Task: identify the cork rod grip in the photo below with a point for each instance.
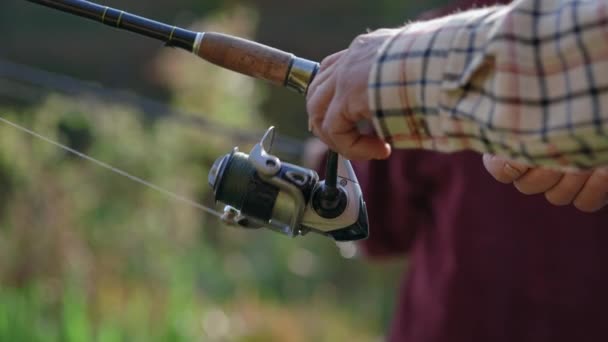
(246, 57)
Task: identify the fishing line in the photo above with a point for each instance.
(52, 82)
(107, 166)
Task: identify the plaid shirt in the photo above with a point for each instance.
(528, 81)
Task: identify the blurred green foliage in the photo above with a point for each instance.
(88, 255)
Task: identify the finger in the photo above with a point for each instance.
(320, 79)
(318, 97)
(537, 180)
(326, 68)
(318, 105)
(356, 146)
(503, 170)
(317, 131)
(314, 150)
(593, 196)
(564, 192)
(347, 140)
(330, 60)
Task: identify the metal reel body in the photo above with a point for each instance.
(261, 191)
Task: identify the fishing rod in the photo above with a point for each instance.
(229, 52)
(258, 189)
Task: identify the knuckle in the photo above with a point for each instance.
(330, 60)
(326, 126)
(362, 39)
(332, 129)
(601, 175)
(525, 188)
(538, 181)
(326, 60)
(501, 177)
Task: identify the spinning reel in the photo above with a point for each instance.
(260, 190)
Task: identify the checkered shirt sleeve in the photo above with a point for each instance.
(528, 81)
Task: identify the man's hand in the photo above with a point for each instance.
(587, 190)
(337, 99)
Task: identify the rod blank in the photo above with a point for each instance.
(170, 35)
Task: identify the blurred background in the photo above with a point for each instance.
(87, 255)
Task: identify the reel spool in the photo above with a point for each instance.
(261, 191)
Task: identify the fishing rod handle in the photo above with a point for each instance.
(256, 60)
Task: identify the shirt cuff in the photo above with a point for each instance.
(413, 72)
